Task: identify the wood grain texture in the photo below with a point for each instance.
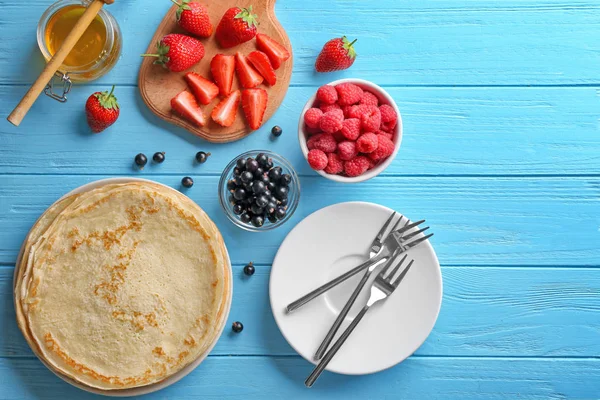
(547, 312)
(477, 221)
(401, 42)
(475, 131)
(158, 86)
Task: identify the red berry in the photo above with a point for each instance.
(326, 143)
(275, 51)
(317, 159)
(238, 25)
(178, 52)
(369, 99)
(357, 166)
(334, 164)
(337, 54)
(387, 135)
(310, 143)
(311, 131)
(385, 148)
(389, 118)
(351, 128)
(371, 120)
(357, 111)
(327, 94)
(102, 110)
(193, 17)
(331, 122)
(338, 136)
(312, 117)
(367, 143)
(329, 107)
(347, 150)
(348, 93)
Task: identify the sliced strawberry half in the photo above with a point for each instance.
(185, 104)
(204, 90)
(222, 68)
(261, 62)
(224, 113)
(275, 51)
(247, 75)
(254, 104)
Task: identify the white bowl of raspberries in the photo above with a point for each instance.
(350, 130)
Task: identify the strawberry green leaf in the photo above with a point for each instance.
(247, 16)
(108, 100)
(349, 46)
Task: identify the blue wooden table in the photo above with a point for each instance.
(501, 153)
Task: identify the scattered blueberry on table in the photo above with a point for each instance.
(276, 131)
(159, 157)
(237, 327)
(201, 157)
(249, 269)
(141, 160)
(187, 182)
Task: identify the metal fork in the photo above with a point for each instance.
(383, 286)
(393, 241)
(375, 248)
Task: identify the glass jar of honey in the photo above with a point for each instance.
(95, 53)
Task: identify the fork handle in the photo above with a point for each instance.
(336, 346)
(322, 289)
(340, 318)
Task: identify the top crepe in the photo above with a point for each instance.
(122, 286)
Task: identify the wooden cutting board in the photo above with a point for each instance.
(158, 86)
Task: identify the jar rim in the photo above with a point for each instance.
(106, 20)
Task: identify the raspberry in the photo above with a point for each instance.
(346, 110)
(312, 116)
(347, 150)
(357, 166)
(326, 143)
(369, 99)
(334, 164)
(348, 93)
(351, 128)
(317, 159)
(338, 136)
(385, 148)
(389, 118)
(331, 122)
(310, 143)
(340, 114)
(372, 164)
(387, 135)
(312, 131)
(357, 111)
(371, 120)
(327, 94)
(367, 143)
(329, 107)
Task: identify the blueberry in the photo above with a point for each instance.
(268, 193)
(283, 202)
(258, 173)
(241, 163)
(271, 186)
(237, 171)
(285, 180)
(258, 221)
(265, 179)
(276, 131)
(268, 164)
(251, 165)
(248, 186)
(237, 327)
(231, 184)
(281, 192)
(201, 157)
(262, 201)
(280, 213)
(159, 157)
(258, 187)
(245, 217)
(237, 209)
(187, 182)
(271, 208)
(141, 160)
(275, 174)
(251, 199)
(247, 176)
(272, 219)
(256, 209)
(239, 194)
(249, 269)
(262, 159)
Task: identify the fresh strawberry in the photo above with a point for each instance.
(275, 51)
(224, 113)
(193, 17)
(102, 110)
(237, 26)
(178, 52)
(247, 75)
(261, 62)
(254, 104)
(185, 104)
(337, 54)
(204, 90)
(222, 68)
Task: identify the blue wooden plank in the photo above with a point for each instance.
(477, 221)
(475, 131)
(277, 378)
(446, 42)
(507, 312)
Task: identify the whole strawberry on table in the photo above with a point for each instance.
(102, 110)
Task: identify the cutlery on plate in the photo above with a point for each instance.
(381, 288)
(376, 246)
(394, 243)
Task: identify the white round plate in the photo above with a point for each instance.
(178, 375)
(323, 246)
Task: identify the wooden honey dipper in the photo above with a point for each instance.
(17, 115)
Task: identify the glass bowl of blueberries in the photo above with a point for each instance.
(259, 190)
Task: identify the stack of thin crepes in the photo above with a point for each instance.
(122, 286)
